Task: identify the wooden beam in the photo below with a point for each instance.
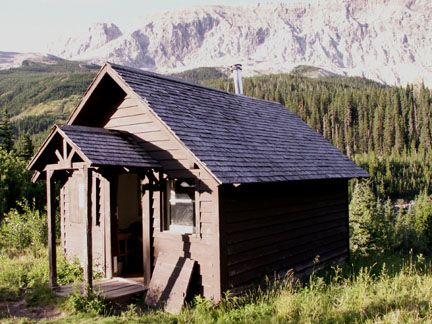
(146, 227)
(197, 214)
(51, 210)
(107, 227)
(68, 161)
(35, 176)
(222, 256)
(59, 156)
(63, 166)
(65, 154)
(88, 255)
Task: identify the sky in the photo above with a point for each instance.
(29, 25)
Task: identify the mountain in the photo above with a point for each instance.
(384, 40)
(13, 59)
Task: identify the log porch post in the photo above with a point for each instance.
(87, 215)
(51, 218)
(107, 219)
(146, 228)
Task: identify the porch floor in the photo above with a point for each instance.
(112, 289)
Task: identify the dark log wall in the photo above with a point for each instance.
(274, 227)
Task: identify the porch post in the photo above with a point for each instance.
(146, 228)
(51, 216)
(87, 215)
(107, 219)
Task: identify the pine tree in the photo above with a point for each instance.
(6, 134)
(24, 147)
(349, 120)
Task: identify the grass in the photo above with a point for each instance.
(374, 289)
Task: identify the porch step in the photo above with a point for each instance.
(116, 288)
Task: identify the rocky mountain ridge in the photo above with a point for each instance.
(385, 40)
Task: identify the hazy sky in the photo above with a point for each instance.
(28, 25)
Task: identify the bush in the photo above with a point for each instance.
(27, 273)
(23, 230)
(414, 227)
(68, 272)
(92, 304)
(371, 221)
(422, 212)
(15, 183)
(20, 273)
(377, 227)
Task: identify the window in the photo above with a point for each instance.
(180, 216)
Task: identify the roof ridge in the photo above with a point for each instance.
(92, 128)
(169, 78)
(174, 79)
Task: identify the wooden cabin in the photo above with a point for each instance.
(148, 165)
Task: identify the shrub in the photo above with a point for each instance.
(20, 273)
(22, 230)
(371, 221)
(15, 183)
(68, 272)
(377, 227)
(93, 304)
(40, 295)
(406, 235)
(422, 212)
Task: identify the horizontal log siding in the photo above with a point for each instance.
(203, 247)
(275, 227)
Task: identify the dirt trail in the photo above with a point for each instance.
(19, 309)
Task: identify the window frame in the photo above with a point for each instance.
(166, 216)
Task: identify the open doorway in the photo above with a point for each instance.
(127, 228)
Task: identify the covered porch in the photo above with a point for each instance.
(103, 182)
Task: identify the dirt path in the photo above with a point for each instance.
(19, 309)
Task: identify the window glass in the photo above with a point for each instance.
(181, 206)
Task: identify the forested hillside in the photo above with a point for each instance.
(38, 95)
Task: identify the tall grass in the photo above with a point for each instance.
(378, 289)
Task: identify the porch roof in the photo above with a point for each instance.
(96, 146)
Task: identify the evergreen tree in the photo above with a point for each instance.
(24, 147)
(6, 134)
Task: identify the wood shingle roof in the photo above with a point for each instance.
(95, 146)
(106, 147)
(240, 139)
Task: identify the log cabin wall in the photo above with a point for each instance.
(203, 246)
(276, 227)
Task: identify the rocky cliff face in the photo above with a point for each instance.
(386, 40)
